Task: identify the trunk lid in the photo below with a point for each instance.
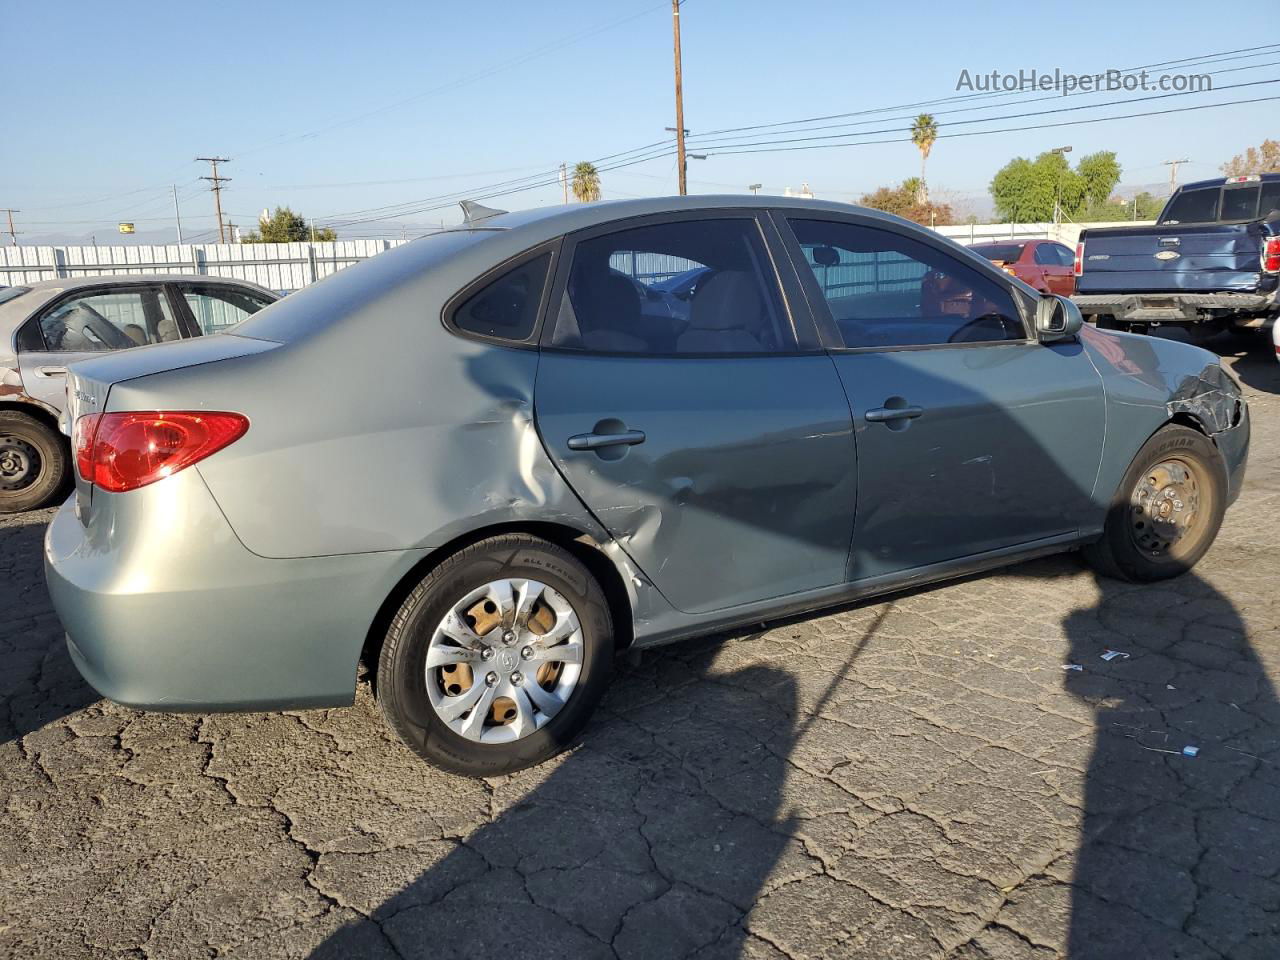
(1175, 258)
(89, 382)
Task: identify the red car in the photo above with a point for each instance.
(1045, 264)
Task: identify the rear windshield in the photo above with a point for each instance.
(1223, 204)
(1006, 252)
(1193, 206)
(9, 293)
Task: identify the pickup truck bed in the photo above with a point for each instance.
(1214, 273)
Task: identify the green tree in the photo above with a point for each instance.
(903, 200)
(1263, 159)
(923, 133)
(1100, 172)
(285, 226)
(586, 182)
(1027, 190)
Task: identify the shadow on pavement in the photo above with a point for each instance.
(38, 682)
(654, 839)
(1179, 854)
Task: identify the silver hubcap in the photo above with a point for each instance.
(19, 463)
(504, 660)
(1164, 506)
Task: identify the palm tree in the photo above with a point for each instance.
(923, 132)
(586, 182)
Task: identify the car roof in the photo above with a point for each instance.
(74, 283)
(1220, 181)
(563, 218)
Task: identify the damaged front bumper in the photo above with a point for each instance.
(1215, 399)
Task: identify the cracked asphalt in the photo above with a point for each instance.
(915, 778)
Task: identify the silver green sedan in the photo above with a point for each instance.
(490, 460)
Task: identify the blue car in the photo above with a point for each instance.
(479, 463)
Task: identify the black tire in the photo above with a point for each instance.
(402, 675)
(1120, 554)
(35, 464)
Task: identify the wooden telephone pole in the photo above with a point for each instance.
(680, 159)
(13, 234)
(1173, 173)
(217, 182)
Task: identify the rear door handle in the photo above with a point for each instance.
(885, 414)
(595, 441)
(52, 371)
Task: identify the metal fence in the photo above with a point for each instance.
(291, 266)
(277, 266)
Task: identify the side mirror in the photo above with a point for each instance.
(1057, 318)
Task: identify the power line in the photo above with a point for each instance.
(701, 140)
(1243, 51)
(1007, 116)
(1036, 126)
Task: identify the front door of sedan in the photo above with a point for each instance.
(715, 448)
(86, 323)
(972, 437)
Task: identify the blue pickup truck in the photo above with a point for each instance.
(1211, 262)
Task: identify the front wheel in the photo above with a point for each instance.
(1167, 511)
(34, 463)
(498, 657)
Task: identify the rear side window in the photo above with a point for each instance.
(506, 308)
(1240, 203)
(687, 287)
(1053, 255)
(1193, 206)
(887, 290)
(109, 320)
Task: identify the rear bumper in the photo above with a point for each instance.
(165, 609)
(1170, 307)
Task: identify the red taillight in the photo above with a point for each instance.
(1078, 267)
(1271, 255)
(124, 451)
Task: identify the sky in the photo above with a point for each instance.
(375, 117)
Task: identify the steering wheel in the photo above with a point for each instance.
(959, 335)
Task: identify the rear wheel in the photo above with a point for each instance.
(34, 463)
(496, 660)
(1167, 511)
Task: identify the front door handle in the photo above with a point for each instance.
(52, 371)
(596, 441)
(885, 414)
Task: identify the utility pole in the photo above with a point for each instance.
(1173, 173)
(217, 182)
(754, 188)
(564, 181)
(680, 162)
(177, 214)
(13, 235)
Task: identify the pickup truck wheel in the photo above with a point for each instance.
(498, 657)
(1167, 511)
(34, 463)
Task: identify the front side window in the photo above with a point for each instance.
(506, 308)
(218, 308)
(684, 287)
(888, 290)
(109, 320)
(1193, 206)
